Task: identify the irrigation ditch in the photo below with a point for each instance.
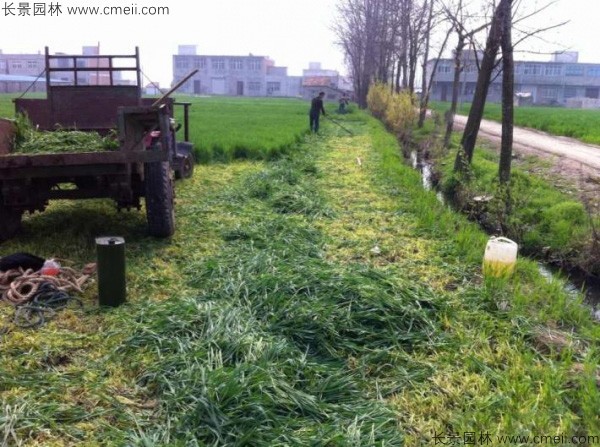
(575, 279)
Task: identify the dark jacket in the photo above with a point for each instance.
(316, 106)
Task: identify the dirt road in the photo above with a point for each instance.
(528, 140)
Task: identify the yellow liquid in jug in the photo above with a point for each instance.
(498, 269)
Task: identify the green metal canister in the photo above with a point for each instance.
(111, 270)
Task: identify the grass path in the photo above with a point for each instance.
(321, 299)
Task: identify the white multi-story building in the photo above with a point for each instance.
(560, 81)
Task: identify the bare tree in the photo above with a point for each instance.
(508, 87)
(426, 84)
(465, 152)
(382, 41)
(458, 19)
(500, 25)
(366, 32)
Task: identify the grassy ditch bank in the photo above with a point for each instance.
(321, 299)
(547, 217)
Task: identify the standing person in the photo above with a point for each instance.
(316, 108)
(343, 103)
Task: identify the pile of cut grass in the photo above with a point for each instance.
(64, 141)
(281, 346)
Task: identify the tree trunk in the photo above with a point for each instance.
(465, 153)
(424, 93)
(427, 91)
(508, 87)
(455, 90)
(398, 72)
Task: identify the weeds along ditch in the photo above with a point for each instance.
(268, 320)
(548, 224)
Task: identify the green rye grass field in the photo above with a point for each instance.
(323, 298)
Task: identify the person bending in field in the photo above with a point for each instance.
(316, 108)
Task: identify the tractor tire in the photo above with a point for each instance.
(160, 211)
(10, 222)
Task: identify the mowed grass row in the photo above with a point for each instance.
(313, 300)
(575, 123)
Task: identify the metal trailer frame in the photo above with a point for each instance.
(137, 169)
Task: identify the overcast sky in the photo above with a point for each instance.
(292, 32)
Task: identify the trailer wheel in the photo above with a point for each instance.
(10, 222)
(187, 166)
(160, 212)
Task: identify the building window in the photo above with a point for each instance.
(254, 86)
(273, 87)
(2, 65)
(570, 92)
(574, 70)
(17, 65)
(254, 64)
(470, 88)
(592, 92)
(552, 70)
(181, 62)
(532, 69)
(593, 71)
(218, 64)
(548, 92)
(236, 64)
(443, 68)
(32, 64)
(200, 63)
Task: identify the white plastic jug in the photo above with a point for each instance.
(500, 257)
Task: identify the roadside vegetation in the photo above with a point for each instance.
(575, 123)
(323, 298)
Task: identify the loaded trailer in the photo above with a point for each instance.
(96, 100)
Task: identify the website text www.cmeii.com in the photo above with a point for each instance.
(54, 9)
(484, 438)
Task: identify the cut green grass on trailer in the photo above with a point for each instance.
(312, 300)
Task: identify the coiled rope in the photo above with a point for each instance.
(38, 297)
(19, 286)
(46, 301)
